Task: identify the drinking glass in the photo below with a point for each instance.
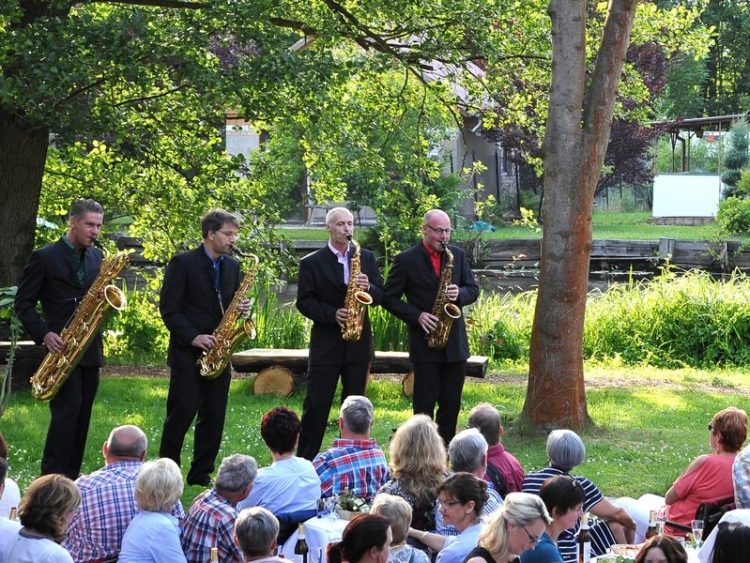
(697, 527)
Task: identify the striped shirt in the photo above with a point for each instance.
(355, 465)
(601, 535)
(210, 523)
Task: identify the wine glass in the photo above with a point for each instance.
(697, 527)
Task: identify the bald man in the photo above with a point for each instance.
(416, 273)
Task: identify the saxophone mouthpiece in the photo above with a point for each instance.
(97, 243)
(349, 238)
(443, 244)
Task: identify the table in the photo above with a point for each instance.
(319, 532)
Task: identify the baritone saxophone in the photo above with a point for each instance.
(228, 333)
(356, 301)
(444, 310)
(99, 301)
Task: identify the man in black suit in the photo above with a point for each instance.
(321, 295)
(58, 276)
(438, 374)
(198, 287)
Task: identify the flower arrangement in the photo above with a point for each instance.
(348, 505)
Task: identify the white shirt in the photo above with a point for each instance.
(285, 486)
(152, 537)
(8, 532)
(11, 497)
(25, 548)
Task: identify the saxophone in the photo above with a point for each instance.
(213, 361)
(356, 300)
(88, 317)
(444, 310)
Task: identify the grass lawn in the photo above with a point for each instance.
(648, 423)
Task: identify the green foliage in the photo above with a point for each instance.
(8, 319)
(278, 326)
(499, 326)
(733, 216)
(736, 156)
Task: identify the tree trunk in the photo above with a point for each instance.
(574, 147)
(23, 151)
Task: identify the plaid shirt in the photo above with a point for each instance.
(357, 465)
(107, 507)
(210, 523)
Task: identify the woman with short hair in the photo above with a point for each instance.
(662, 549)
(398, 513)
(153, 534)
(255, 532)
(512, 530)
(366, 539)
(45, 513)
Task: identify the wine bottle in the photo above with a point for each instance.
(300, 548)
(584, 540)
(652, 526)
(13, 513)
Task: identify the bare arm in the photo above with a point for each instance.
(433, 541)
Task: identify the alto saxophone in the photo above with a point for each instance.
(213, 361)
(444, 310)
(356, 300)
(100, 299)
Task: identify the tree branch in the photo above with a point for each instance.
(147, 98)
(173, 4)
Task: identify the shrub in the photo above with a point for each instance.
(734, 216)
(137, 335)
(499, 326)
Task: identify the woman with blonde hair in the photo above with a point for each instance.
(398, 513)
(516, 527)
(418, 468)
(45, 513)
(153, 535)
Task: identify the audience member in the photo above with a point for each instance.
(108, 498)
(290, 484)
(732, 541)
(354, 462)
(366, 539)
(398, 513)
(210, 520)
(45, 512)
(255, 531)
(8, 528)
(741, 515)
(662, 549)
(741, 478)
(418, 468)
(12, 495)
(563, 497)
(154, 534)
(512, 530)
(502, 467)
(565, 451)
(460, 498)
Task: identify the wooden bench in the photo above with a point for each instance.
(277, 369)
(27, 359)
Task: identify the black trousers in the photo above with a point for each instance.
(441, 384)
(70, 412)
(321, 387)
(192, 395)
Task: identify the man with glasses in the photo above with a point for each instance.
(438, 373)
(198, 287)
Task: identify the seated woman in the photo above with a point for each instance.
(418, 467)
(366, 539)
(461, 499)
(154, 533)
(563, 496)
(662, 549)
(255, 532)
(732, 541)
(708, 476)
(45, 512)
(398, 513)
(512, 530)
(565, 451)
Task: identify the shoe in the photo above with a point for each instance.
(202, 481)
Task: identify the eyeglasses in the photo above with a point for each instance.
(439, 231)
(710, 426)
(532, 539)
(229, 234)
(448, 503)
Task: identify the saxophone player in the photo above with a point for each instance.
(198, 286)
(418, 273)
(324, 277)
(58, 276)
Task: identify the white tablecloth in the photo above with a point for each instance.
(319, 532)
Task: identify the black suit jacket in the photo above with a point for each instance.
(412, 274)
(50, 278)
(320, 292)
(188, 302)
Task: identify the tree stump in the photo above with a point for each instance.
(274, 380)
(407, 384)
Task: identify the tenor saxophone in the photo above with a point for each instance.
(356, 301)
(100, 299)
(444, 310)
(213, 361)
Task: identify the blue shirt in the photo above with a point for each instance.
(152, 537)
(288, 485)
(456, 548)
(544, 552)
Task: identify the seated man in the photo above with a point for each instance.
(255, 531)
(8, 528)
(468, 452)
(502, 467)
(741, 478)
(107, 499)
(289, 484)
(210, 519)
(354, 462)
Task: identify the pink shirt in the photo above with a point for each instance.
(712, 480)
(508, 465)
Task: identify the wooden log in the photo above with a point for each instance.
(407, 384)
(274, 380)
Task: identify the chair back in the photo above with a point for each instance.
(711, 512)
